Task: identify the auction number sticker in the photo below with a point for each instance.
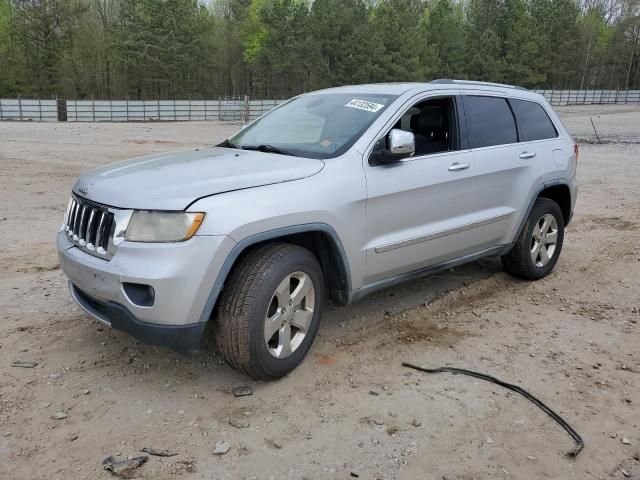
(364, 105)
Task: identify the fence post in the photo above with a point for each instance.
(20, 106)
(219, 109)
(110, 110)
(189, 108)
(127, 108)
(246, 109)
(144, 111)
(158, 101)
(1, 113)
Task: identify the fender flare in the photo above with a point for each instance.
(532, 201)
(247, 242)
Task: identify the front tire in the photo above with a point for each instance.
(269, 310)
(538, 246)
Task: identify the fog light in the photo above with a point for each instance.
(139, 294)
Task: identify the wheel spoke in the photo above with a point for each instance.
(284, 341)
(552, 237)
(535, 250)
(544, 255)
(302, 319)
(537, 233)
(272, 325)
(283, 292)
(301, 291)
(545, 225)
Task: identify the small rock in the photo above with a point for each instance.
(416, 423)
(124, 467)
(158, 453)
(268, 419)
(23, 364)
(221, 447)
(625, 441)
(532, 458)
(378, 421)
(86, 392)
(242, 391)
(59, 416)
(274, 443)
(613, 435)
(624, 472)
(238, 423)
(488, 440)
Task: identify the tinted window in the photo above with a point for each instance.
(533, 121)
(490, 121)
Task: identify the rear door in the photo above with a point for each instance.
(502, 166)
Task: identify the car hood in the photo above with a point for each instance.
(172, 181)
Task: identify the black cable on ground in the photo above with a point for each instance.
(576, 437)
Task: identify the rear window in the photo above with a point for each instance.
(533, 121)
(490, 121)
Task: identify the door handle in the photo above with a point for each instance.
(527, 155)
(456, 167)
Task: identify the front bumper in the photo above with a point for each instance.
(181, 275)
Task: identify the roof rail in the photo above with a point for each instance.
(472, 82)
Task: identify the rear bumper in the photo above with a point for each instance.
(182, 338)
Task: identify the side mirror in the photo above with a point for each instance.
(399, 144)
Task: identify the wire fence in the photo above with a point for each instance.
(235, 109)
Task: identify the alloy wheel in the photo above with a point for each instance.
(289, 314)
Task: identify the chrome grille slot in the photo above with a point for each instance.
(90, 226)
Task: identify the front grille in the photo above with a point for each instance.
(89, 226)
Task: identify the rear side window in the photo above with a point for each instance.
(490, 121)
(533, 121)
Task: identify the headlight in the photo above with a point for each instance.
(163, 226)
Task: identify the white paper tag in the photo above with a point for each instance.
(364, 105)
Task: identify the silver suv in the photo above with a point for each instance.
(334, 194)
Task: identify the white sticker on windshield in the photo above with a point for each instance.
(364, 105)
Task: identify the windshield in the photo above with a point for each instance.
(317, 126)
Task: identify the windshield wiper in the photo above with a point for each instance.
(228, 144)
(266, 148)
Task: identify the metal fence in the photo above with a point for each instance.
(234, 109)
(239, 109)
(590, 97)
(23, 109)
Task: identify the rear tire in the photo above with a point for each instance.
(269, 310)
(539, 244)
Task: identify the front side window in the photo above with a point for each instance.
(490, 121)
(432, 123)
(533, 121)
(317, 126)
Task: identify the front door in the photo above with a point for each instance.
(420, 210)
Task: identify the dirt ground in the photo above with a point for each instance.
(351, 410)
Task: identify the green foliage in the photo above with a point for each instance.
(278, 48)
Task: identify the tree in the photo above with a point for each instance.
(405, 54)
(444, 25)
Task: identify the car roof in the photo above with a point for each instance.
(398, 88)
